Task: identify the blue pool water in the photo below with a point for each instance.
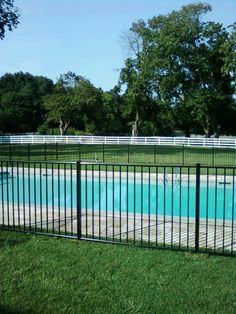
(216, 201)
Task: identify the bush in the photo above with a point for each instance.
(43, 129)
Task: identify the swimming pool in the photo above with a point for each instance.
(116, 195)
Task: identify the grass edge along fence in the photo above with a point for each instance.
(159, 206)
(120, 153)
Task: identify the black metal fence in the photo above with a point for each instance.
(129, 153)
(173, 207)
(38, 197)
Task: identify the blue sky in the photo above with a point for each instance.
(84, 36)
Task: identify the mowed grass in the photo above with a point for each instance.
(149, 154)
(49, 275)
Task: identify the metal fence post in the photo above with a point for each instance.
(78, 194)
(197, 213)
(45, 152)
(128, 153)
(56, 150)
(213, 155)
(10, 151)
(29, 151)
(154, 153)
(79, 151)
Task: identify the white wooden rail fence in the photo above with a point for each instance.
(154, 140)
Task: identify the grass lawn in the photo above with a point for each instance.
(151, 154)
(49, 275)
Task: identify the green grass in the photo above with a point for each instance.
(151, 154)
(48, 275)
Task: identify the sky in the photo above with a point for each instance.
(84, 36)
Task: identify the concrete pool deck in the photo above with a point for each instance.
(161, 231)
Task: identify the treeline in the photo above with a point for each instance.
(180, 76)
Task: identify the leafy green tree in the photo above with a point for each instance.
(180, 64)
(89, 100)
(143, 107)
(60, 107)
(229, 52)
(212, 91)
(69, 80)
(9, 16)
(114, 122)
(21, 98)
(137, 97)
(75, 103)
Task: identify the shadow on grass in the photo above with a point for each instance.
(12, 239)
(9, 310)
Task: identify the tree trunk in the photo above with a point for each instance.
(206, 127)
(216, 130)
(63, 125)
(135, 125)
(187, 132)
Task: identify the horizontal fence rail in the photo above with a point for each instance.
(163, 206)
(140, 140)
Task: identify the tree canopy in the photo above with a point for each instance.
(180, 76)
(9, 16)
(75, 102)
(180, 62)
(21, 98)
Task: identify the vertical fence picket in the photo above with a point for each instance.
(56, 151)
(3, 199)
(45, 152)
(28, 152)
(78, 198)
(197, 213)
(213, 155)
(10, 151)
(128, 152)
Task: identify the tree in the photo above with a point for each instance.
(149, 114)
(69, 80)
(114, 122)
(59, 107)
(135, 96)
(89, 100)
(9, 16)
(179, 64)
(229, 52)
(212, 91)
(75, 102)
(21, 97)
